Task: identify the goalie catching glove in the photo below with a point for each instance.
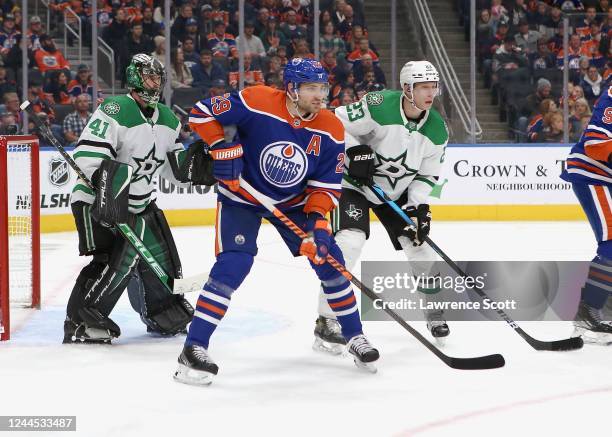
(361, 166)
(421, 216)
(193, 165)
(112, 182)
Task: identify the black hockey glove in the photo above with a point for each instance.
(421, 216)
(193, 165)
(361, 166)
(112, 182)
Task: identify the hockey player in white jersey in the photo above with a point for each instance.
(129, 141)
(397, 140)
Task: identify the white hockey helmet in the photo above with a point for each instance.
(418, 71)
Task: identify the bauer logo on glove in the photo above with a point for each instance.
(361, 166)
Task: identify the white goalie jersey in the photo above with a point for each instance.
(408, 155)
(118, 130)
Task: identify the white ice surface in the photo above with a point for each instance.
(272, 383)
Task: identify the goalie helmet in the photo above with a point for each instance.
(416, 72)
(146, 76)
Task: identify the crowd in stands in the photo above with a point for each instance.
(521, 58)
(204, 51)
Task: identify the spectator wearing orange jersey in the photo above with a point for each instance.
(363, 48)
(48, 57)
(133, 12)
(218, 14)
(593, 45)
(251, 76)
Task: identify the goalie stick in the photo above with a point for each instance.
(556, 345)
(123, 228)
(475, 363)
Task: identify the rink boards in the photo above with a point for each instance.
(479, 182)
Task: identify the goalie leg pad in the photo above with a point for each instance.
(162, 313)
(172, 319)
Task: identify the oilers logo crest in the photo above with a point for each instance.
(283, 164)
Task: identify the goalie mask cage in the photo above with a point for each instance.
(19, 226)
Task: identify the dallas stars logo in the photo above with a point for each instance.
(393, 169)
(147, 166)
(354, 212)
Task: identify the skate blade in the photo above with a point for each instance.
(188, 376)
(590, 337)
(327, 347)
(368, 367)
(74, 340)
(95, 336)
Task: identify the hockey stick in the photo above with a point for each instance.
(557, 345)
(124, 229)
(485, 362)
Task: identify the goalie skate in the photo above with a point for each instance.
(328, 336)
(195, 366)
(364, 354)
(81, 333)
(589, 325)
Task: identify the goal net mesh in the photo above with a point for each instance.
(19, 180)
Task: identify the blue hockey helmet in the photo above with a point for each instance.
(300, 70)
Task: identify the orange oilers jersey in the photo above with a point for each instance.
(286, 158)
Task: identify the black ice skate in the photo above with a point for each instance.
(589, 325)
(195, 366)
(81, 333)
(436, 324)
(364, 354)
(328, 336)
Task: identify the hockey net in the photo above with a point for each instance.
(19, 226)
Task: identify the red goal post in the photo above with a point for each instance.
(19, 226)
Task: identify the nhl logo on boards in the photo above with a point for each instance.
(59, 172)
(283, 164)
(111, 108)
